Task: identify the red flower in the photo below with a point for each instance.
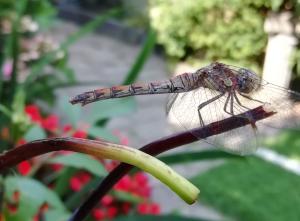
(67, 128)
(126, 207)
(21, 142)
(56, 166)
(12, 208)
(124, 184)
(143, 208)
(155, 209)
(140, 178)
(79, 180)
(148, 208)
(24, 168)
(98, 214)
(112, 212)
(34, 113)
(107, 200)
(80, 134)
(84, 177)
(75, 184)
(51, 123)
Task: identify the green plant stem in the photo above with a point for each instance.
(2, 57)
(186, 190)
(15, 57)
(15, 44)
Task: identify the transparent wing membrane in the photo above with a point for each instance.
(184, 107)
(185, 111)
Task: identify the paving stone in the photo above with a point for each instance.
(105, 61)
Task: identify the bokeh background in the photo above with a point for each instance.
(51, 50)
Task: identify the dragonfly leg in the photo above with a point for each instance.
(231, 102)
(250, 118)
(206, 103)
(239, 102)
(250, 98)
(226, 104)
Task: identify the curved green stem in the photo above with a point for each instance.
(186, 190)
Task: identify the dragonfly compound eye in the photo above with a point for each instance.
(247, 80)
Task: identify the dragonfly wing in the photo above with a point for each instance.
(183, 111)
(280, 100)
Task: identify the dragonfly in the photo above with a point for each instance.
(211, 94)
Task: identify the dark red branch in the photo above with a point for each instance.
(35, 148)
(165, 144)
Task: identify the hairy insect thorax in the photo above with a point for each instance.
(248, 81)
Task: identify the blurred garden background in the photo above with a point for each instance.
(51, 50)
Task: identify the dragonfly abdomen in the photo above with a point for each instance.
(180, 83)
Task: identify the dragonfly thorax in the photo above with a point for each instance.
(247, 80)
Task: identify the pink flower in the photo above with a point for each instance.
(7, 69)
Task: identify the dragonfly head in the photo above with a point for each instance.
(248, 81)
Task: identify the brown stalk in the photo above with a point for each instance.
(35, 148)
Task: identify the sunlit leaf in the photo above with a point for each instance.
(32, 195)
(100, 132)
(158, 218)
(80, 161)
(35, 133)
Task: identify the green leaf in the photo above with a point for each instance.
(15, 44)
(251, 190)
(57, 215)
(126, 197)
(158, 218)
(80, 161)
(35, 133)
(142, 58)
(196, 156)
(64, 177)
(32, 195)
(110, 108)
(5, 110)
(100, 132)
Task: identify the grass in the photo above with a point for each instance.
(287, 143)
(251, 190)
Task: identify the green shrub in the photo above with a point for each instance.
(209, 30)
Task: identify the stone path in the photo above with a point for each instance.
(104, 60)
